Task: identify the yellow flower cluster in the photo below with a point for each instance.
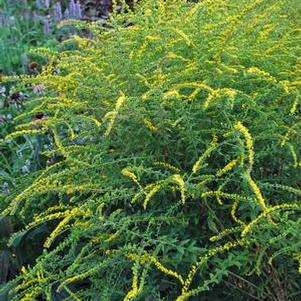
(227, 168)
(179, 180)
(69, 215)
(299, 261)
(266, 213)
(249, 142)
(258, 72)
(230, 196)
(256, 191)
(226, 247)
(212, 146)
(149, 125)
(225, 92)
(233, 213)
(153, 188)
(225, 232)
(111, 116)
(135, 288)
(26, 132)
(168, 166)
(127, 173)
(150, 194)
(150, 258)
(114, 235)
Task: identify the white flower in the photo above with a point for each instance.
(25, 169)
(2, 90)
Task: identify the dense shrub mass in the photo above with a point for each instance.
(170, 159)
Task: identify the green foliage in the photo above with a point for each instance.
(176, 137)
(21, 27)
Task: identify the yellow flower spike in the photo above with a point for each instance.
(114, 235)
(295, 104)
(171, 94)
(179, 180)
(69, 214)
(135, 288)
(146, 188)
(149, 125)
(227, 168)
(266, 213)
(230, 196)
(38, 122)
(25, 132)
(82, 275)
(298, 258)
(23, 270)
(149, 195)
(127, 173)
(164, 270)
(233, 213)
(183, 36)
(150, 258)
(58, 143)
(137, 196)
(94, 120)
(249, 142)
(168, 166)
(173, 56)
(256, 191)
(258, 72)
(230, 93)
(208, 151)
(120, 101)
(111, 116)
(219, 201)
(201, 260)
(289, 132)
(224, 233)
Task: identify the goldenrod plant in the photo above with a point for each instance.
(172, 166)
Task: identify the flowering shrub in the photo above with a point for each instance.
(173, 165)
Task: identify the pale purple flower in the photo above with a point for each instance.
(5, 187)
(46, 3)
(46, 27)
(3, 20)
(57, 12)
(66, 14)
(25, 169)
(19, 153)
(78, 10)
(2, 90)
(38, 89)
(72, 9)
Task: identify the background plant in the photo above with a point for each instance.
(32, 23)
(173, 159)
